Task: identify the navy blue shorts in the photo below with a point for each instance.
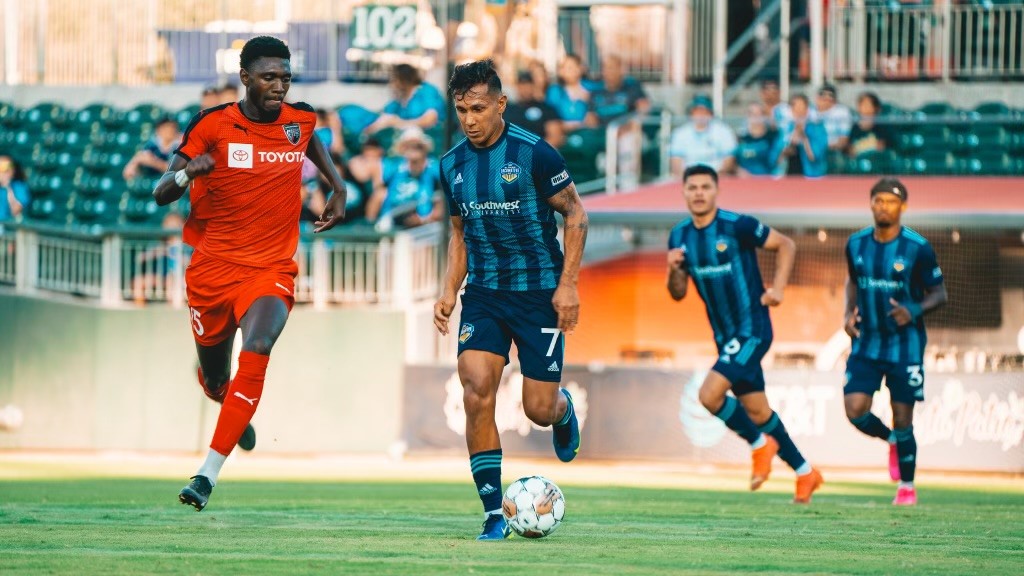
(739, 360)
(905, 381)
(493, 319)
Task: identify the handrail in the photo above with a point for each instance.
(718, 81)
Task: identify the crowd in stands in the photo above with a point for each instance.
(98, 165)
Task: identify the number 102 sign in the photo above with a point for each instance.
(384, 27)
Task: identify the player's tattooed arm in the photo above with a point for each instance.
(678, 279)
(167, 189)
(786, 249)
(566, 299)
(453, 277)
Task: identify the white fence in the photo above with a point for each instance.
(117, 268)
(940, 41)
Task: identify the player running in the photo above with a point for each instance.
(717, 249)
(242, 164)
(503, 186)
(894, 281)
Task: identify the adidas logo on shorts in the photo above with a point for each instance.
(553, 367)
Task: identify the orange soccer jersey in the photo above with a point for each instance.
(246, 211)
(244, 222)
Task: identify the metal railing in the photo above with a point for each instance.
(940, 41)
(114, 267)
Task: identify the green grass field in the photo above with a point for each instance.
(136, 526)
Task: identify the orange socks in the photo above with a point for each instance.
(243, 396)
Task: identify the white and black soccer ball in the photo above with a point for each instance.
(533, 506)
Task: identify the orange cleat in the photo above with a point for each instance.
(806, 485)
(762, 462)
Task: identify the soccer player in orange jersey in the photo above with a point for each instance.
(241, 163)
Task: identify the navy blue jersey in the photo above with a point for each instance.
(901, 269)
(722, 260)
(500, 192)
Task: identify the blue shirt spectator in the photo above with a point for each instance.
(802, 143)
(152, 159)
(569, 97)
(755, 153)
(405, 185)
(14, 194)
(838, 119)
(616, 95)
(702, 140)
(416, 104)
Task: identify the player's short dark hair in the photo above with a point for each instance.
(406, 74)
(263, 47)
(698, 169)
(471, 74)
(890, 185)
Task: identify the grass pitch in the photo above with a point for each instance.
(136, 526)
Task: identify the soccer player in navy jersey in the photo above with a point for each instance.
(717, 249)
(894, 281)
(503, 186)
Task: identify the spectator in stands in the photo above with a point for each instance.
(14, 194)
(328, 128)
(838, 119)
(162, 263)
(363, 166)
(209, 97)
(151, 161)
(802, 141)
(866, 135)
(702, 140)
(771, 97)
(416, 104)
(405, 188)
(540, 76)
(569, 97)
(616, 95)
(531, 112)
(755, 154)
(228, 93)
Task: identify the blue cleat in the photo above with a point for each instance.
(566, 437)
(495, 528)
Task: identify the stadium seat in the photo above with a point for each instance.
(874, 162)
(92, 116)
(185, 115)
(935, 110)
(143, 115)
(91, 210)
(583, 151)
(116, 141)
(984, 136)
(987, 163)
(46, 112)
(909, 142)
(141, 211)
(931, 162)
(141, 187)
(91, 185)
(10, 116)
(50, 209)
(47, 161)
(992, 109)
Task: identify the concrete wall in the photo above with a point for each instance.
(88, 378)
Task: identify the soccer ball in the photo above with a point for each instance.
(533, 506)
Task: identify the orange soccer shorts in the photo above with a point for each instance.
(220, 293)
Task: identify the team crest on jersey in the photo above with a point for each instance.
(510, 172)
(721, 246)
(899, 265)
(293, 132)
(465, 333)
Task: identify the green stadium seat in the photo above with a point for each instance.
(92, 116)
(1015, 143)
(120, 141)
(143, 115)
(987, 109)
(874, 162)
(47, 161)
(185, 115)
(983, 136)
(141, 211)
(92, 185)
(50, 209)
(141, 187)
(909, 142)
(932, 110)
(46, 113)
(10, 116)
(988, 163)
(931, 162)
(92, 210)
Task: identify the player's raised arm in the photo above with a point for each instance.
(786, 249)
(334, 212)
(453, 276)
(566, 299)
(173, 184)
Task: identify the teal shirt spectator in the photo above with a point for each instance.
(424, 98)
(610, 104)
(757, 154)
(568, 109)
(815, 133)
(404, 188)
(21, 194)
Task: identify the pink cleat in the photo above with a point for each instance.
(894, 463)
(905, 496)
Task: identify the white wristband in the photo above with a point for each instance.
(181, 178)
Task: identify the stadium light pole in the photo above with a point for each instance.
(817, 14)
(784, 68)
